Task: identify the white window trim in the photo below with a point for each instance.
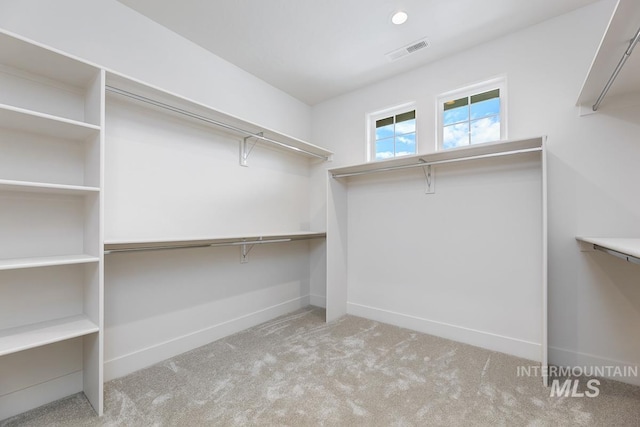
(381, 114)
(499, 82)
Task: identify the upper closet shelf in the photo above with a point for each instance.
(474, 152)
(193, 110)
(250, 239)
(44, 62)
(603, 78)
(625, 248)
(20, 119)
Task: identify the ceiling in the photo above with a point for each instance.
(318, 49)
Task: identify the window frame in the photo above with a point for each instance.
(499, 82)
(372, 118)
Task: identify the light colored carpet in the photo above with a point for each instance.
(298, 371)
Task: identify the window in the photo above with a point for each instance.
(472, 115)
(392, 133)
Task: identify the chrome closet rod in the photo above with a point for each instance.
(617, 254)
(208, 245)
(625, 56)
(437, 162)
(208, 120)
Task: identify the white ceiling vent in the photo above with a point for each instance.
(406, 50)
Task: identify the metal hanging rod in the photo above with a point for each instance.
(223, 125)
(422, 163)
(625, 56)
(617, 254)
(206, 245)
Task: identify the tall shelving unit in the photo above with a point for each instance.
(51, 250)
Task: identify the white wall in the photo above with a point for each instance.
(168, 179)
(159, 304)
(594, 300)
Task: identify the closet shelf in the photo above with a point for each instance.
(251, 239)
(48, 188)
(625, 248)
(473, 152)
(622, 27)
(13, 340)
(45, 124)
(155, 97)
(35, 58)
(32, 262)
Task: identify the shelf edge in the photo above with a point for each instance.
(141, 245)
(37, 262)
(44, 333)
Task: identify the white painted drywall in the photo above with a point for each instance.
(166, 178)
(160, 304)
(169, 179)
(594, 165)
(466, 260)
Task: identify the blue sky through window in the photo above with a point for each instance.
(395, 136)
(485, 108)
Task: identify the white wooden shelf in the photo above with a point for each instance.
(45, 124)
(51, 123)
(114, 246)
(473, 152)
(32, 262)
(625, 248)
(48, 188)
(154, 97)
(13, 340)
(37, 59)
(621, 29)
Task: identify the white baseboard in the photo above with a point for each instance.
(318, 301)
(128, 363)
(520, 348)
(40, 394)
(563, 357)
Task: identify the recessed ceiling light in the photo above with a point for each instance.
(399, 17)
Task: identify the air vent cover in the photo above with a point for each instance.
(406, 50)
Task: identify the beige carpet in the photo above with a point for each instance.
(298, 371)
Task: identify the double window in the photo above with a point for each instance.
(472, 115)
(467, 116)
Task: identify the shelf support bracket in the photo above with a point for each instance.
(429, 178)
(244, 253)
(245, 149)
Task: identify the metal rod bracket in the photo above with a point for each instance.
(244, 253)
(245, 149)
(429, 178)
(623, 256)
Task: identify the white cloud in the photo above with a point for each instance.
(384, 155)
(455, 135)
(405, 140)
(485, 130)
(406, 127)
